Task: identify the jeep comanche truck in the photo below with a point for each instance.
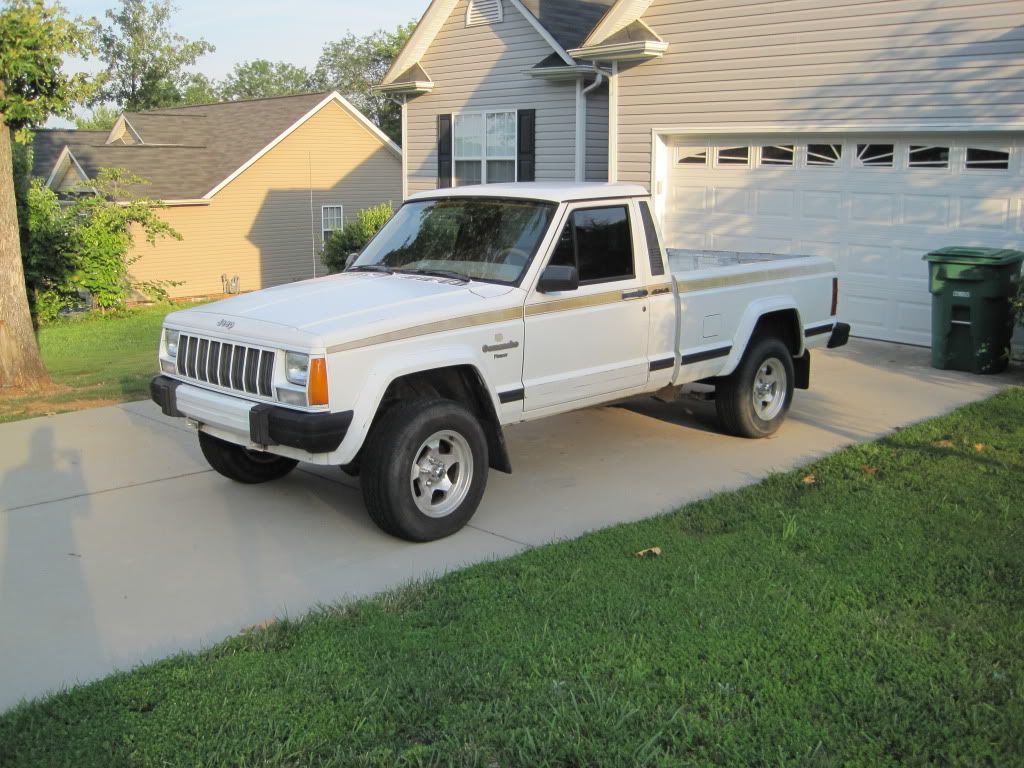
(479, 307)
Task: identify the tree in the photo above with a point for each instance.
(34, 40)
(101, 118)
(261, 79)
(197, 88)
(145, 59)
(353, 65)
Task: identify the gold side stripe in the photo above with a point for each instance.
(454, 324)
(575, 302)
(707, 283)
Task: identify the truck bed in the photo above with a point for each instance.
(692, 260)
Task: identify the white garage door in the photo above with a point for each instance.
(875, 204)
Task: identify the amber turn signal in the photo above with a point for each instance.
(317, 388)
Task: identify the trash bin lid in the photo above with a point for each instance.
(988, 257)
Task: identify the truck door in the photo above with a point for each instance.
(591, 341)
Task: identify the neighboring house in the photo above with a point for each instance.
(869, 132)
(252, 186)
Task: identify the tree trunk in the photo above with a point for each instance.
(20, 363)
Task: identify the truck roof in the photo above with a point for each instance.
(553, 191)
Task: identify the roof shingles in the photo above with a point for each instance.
(186, 151)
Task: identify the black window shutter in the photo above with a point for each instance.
(444, 151)
(527, 145)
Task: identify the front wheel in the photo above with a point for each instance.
(241, 464)
(424, 469)
(753, 401)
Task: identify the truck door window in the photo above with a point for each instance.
(598, 242)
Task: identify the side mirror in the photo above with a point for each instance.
(351, 259)
(558, 277)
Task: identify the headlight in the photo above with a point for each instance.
(297, 368)
(171, 342)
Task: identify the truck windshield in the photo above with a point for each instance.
(485, 239)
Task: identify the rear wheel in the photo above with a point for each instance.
(242, 464)
(424, 469)
(753, 401)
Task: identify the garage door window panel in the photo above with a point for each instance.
(598, 242)
(732, 157)
(824, 155)
(778, 156)
(987, 159)
(692, 156)
(876, 155)
(926, 156)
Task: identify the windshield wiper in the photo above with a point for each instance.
(371, 268)
(447, 274)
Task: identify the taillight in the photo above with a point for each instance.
(835, 296)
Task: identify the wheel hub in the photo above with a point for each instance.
(441, 473)
(769, 391)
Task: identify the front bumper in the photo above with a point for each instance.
(266, 425)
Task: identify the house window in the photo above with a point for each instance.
(824, 155)
(981, 159)
(332, 219)
(483, 12)
(733, 156)
(875, 155)
(777, 155)
(922, 156)
(692, 155)
(484, 147)
(598, 243)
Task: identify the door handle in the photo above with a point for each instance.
(639, 293)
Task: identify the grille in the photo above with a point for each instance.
(233, 366)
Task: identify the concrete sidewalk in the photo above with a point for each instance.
(118, 545)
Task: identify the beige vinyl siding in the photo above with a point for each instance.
(484, 67)
(259, 226)
(597, 135)
(822, 62)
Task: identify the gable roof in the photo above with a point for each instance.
(564, 24)
(192, 152)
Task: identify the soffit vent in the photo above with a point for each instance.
(483, 12)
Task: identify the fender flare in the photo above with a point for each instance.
(748, 322)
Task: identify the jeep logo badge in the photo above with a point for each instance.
(227, 324)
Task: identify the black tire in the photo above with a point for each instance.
(242, 465)
(735, 394)
(397, 442)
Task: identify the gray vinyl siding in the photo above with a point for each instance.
(822, 62)
(484, 67)
(597, 135)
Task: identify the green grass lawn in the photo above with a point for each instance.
(867, 610)
(94, 360)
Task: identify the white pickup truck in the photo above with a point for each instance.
(478, 307)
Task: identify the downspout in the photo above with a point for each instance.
(405, 142)
(581, 120)
(613, 123)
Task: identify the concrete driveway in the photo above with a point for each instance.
(118, 545)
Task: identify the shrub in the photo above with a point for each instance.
(79, 252)
(354, 236)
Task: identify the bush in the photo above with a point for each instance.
(78, 253)
(354, 236)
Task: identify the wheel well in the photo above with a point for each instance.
(783, 324)
(463, 384)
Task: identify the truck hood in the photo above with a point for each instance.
(337, 308)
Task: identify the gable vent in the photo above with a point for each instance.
(483, 12)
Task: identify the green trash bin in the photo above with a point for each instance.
(972, 313)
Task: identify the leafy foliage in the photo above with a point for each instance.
(144, 58)
(353, 65)
(354, 236)
(101, 118)
(82, 249)
(261, 79)
(34, 40)
(197, 88)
